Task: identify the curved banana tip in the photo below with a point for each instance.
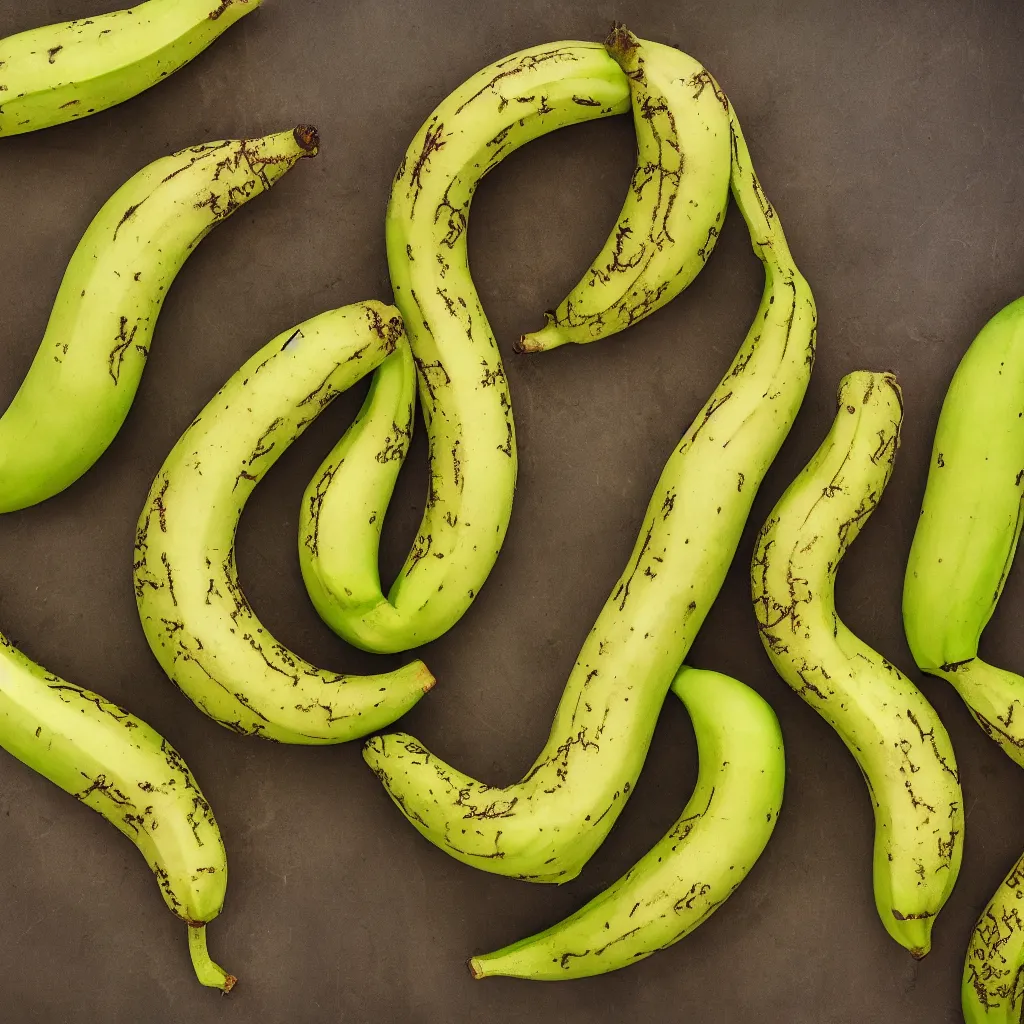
(920, 954)
(621, 43)
(429, 680)
(209, 974)
(308, 139)
(549, 337)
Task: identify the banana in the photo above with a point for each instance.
(695, 867)
(970, 522)
(121, 768)
(547, 826)
(669, 223)
(196, 618)
(899, 742)
(57, 73)
(343, 509)
(993, 984)
(84, 376)
(466, 403)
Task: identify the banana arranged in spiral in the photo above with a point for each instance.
(901, 746)
(195, 615)
(546, 827)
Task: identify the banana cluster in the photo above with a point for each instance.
(435, 343)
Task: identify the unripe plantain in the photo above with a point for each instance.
(58, 73)
(195, 615)
(466, 403)
(84, 377)
(970, 522)
(673, 212)
(695, 867)
(547, 826)
(993, 983)
(895, 735)
(121, 768)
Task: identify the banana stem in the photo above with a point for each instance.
(208, 973)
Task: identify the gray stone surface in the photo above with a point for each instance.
(889, 138)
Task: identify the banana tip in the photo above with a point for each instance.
(429, 680)
(308, 139)
(621, 43)
(475, 969)
(230, 981)
(920, 952)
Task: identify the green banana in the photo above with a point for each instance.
(993, 984)
(83, 379)
(899, 742)
(120, 767)
(466, 404)
(196, 618)
(547, 826)
(695, 867)
(669, 223)
(57, 73)
(970, 522)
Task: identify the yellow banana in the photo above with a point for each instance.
(83, 379)
(970, 522)
(196, 618)
(121, 768)
(695, 867)
(899, 742)
(57, 73)
(993, 983)
(466, 403)
(669, 223)
(547, 826)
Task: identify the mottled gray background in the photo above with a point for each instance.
(890, 141)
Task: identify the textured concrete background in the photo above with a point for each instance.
(889, 141)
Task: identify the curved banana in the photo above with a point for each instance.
(196, 618)
(120, 767)
(669, 223)
(462, 384)
(899, 742)
(970, 522)
(993, 984)
(342, 511)
(57, 73)
(83, 379)
(695, 867)
(547, 826)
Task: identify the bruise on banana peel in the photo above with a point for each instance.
(82, 382)
(467, 408)
(545, 827)
(895, 735)
(119, 766)
(695, 867)
(59, 73)
(195, 615)
(669, 223)
(992, 991)
(970, 523)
